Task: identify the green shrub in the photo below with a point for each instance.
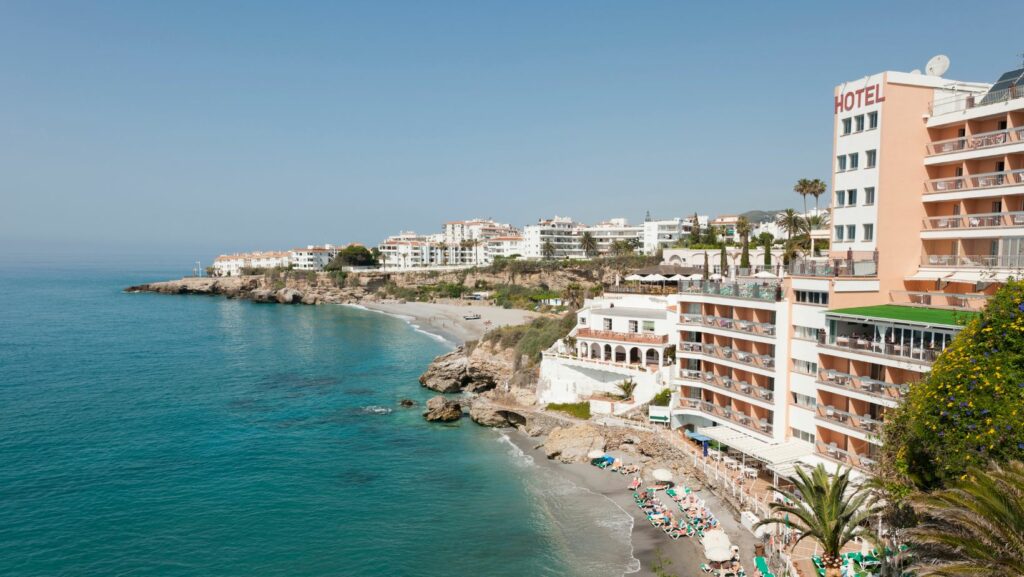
(663, 398)
(970, 407)
(578, 410)
(533, 338)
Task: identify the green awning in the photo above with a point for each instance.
(914, 315)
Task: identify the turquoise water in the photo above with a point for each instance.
(147, 434)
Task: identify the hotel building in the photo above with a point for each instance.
(235, 264)
(927, 221)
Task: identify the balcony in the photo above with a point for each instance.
(908, 351)
(738, 325)
(863, 424)
(975, 221)
(734, 416)
(737, 387)
(751, 290)
(743, 357)
(841, 456)
(866, 385)
(970, 100)
(953, 301)
(668, 288)
(691, 318)
(980, 261)
(975, 181)
(975, 141)
(837, 267)
(637, 338)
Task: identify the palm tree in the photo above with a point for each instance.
(803, 187)
(744, 229)
(548, 250)
(816, 188)
(589, 244)
(825, 508)
(975, 528)
(626, 387)
(789, 222)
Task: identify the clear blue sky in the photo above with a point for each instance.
(192, 128)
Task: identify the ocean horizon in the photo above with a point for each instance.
(191, 436)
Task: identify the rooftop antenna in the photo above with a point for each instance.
(937, 66)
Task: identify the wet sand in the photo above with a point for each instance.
(447, 319)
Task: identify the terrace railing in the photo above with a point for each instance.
(640, 338)
(969, 100)
(864, 424)
(866, 385)
(980, 220)
(975, 181)
(976, 141)
(981, 261)
(958, 301)
(837, 267)
(897, 351)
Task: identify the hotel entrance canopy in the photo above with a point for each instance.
(772, 454)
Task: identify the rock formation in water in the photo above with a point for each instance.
(442, 409)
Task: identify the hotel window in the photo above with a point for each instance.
(633, 326)
(804, 401)
(805, 367)
(847, 123)
(851, 197)
(840, 163)
(840, 198)
(805, 333)
(839, 233)
(854, 161)
(851, 232)
(648, 326)
(811, 297)
(803, 435)
(871, 157)
(859, 121)
(583, 321)
(872, 120)
(869, 195)
(869, 232)
(607, 324)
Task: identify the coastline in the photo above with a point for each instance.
(445, 320)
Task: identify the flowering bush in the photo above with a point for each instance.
(970, 408)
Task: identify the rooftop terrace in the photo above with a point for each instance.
(920, 315)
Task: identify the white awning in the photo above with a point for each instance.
(929, 275)
(771, 453)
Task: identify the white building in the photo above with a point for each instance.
(503, 246)
(660, 234)
(408, 250)
(561, 231)
(233, 264)
(614, 230)
(313, 257)
(617, 337)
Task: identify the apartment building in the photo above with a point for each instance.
(312, 257)
(662, 234)
(563, 234)
(234, 264)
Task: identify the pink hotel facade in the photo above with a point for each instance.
(927, 220)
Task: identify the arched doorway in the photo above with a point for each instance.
(620, 354)
(652, 358)
(607, 352)
(634, 356)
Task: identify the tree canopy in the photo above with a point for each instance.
(353, 255)
(969, 410)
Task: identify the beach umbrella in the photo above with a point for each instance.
(655, 278)
(677, 277)
(634, 277)
(765, 274)
(696, 276)
(715, 276)
(595, 454)
(717, 546)
(663, 475)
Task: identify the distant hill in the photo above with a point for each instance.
(756, 216)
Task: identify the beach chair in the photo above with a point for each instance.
(705, 568)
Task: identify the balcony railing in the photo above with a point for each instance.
(739, 325)
(741, 387)
(958, 301)
(668, 288)
(735, 416)
(744, 357)
(762, 291)
(867, 385)
(864, 424)
(1010, 261)
(975, 181)
(976, 141)
(831, 451)
(969, 100)
(640, 338)
(896, 351)
(691, 318)
(980, 220)
(837, 267)
(640, 366)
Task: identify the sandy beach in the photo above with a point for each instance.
(447, 319)
(685, 554)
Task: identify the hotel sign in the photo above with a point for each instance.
(866, 96)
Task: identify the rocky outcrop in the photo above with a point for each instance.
(287, 296)
(407, 403)
(571, 444)
(442, 409)
(487, 414)
(447, 373)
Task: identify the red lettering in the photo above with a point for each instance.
(859, 93)
(839, 104)
(861, 97)
(878, 95)
(848, 99)
(869, 95)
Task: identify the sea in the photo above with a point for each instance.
(158, 435)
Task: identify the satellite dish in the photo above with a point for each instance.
(916, 71)
(937, 66)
